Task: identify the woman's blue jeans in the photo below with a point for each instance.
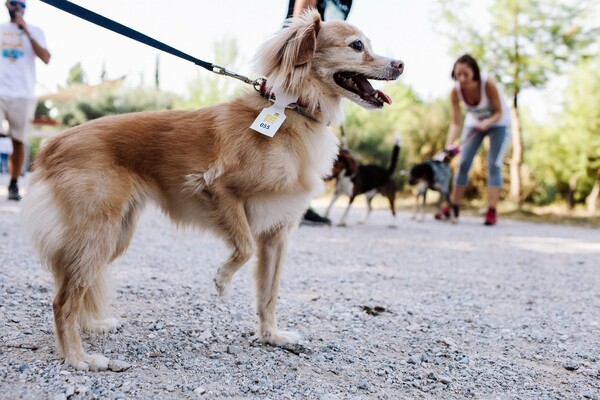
(470, 143)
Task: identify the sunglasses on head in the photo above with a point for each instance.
(15, 3)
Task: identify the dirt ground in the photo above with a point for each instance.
(417, 311)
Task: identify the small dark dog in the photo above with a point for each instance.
(434, 174)
(353, 179)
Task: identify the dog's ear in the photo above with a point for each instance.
(285, 59)
(305, 46)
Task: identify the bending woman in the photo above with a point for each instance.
(486, 115)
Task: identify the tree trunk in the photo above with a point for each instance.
(592, 199)
(571, 195)
(517, 140)
(517, 156)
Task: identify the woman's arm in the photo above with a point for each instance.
(455, 120)
(491, 90)
(300, 5)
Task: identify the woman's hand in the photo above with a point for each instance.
(483, 125)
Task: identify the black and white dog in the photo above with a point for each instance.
(434, 174)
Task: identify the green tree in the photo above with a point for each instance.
(526, 43)
(581, 128)
(370, 134)
(209, 89)
(565, 153)
(421, 125)
(76, 75)
(113, 101)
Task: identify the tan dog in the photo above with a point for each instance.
(204, 168)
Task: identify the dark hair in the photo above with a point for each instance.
(471, 63)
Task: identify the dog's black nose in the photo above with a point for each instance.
(398, 64)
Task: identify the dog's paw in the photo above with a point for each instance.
(89, 362)
(280, 338)
(222, 284)
(103, 325)
(97, 362)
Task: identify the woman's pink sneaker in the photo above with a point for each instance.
(490, 217)
(443, 214)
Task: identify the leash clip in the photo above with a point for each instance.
(224, 71)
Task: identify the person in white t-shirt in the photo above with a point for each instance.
(487, 114)
(20, 44)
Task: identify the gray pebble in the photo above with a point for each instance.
(570, 365)
(415, 359)
(118, 365)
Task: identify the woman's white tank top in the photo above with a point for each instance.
(484, 109)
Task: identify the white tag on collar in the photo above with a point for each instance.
(270, 119)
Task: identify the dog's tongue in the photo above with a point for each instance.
(365, 87)
(382, 96)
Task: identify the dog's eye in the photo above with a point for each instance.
(357, 45)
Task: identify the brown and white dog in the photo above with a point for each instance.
(204, 168)
(353, 179)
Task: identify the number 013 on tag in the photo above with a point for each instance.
(269, 121)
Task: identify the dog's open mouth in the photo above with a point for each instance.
(359, 84)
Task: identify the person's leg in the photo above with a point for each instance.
(19, 114)
(493, 196)
(499, 139)
(468, 148)
(16, 159)
(458, 191)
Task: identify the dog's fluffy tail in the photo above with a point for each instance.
(395, 154)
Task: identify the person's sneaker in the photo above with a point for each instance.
(443, 214)
(490, 217)
(13, 192)
(312, 218)
(455, 210)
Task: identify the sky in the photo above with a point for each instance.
(400, 29)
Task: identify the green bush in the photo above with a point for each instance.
(114, 101)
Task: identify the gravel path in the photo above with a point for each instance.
(425, 311)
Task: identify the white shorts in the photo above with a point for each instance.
(19, 113)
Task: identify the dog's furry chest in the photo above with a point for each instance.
(296, 179)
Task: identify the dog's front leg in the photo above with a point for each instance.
(369, 196)
(343, 220)
(233, 224)
(333, 200)
(423, 205)
(271, 253)
(416, 207)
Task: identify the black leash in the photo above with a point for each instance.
(116, 27)
(97, 19)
